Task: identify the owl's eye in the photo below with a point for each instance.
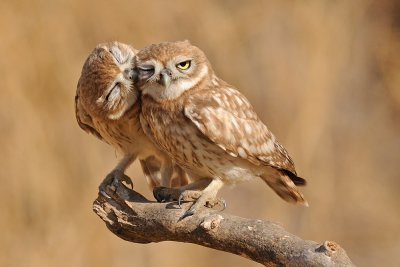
(146, 68)
(184, 65)
(113, 92)
(146, 71)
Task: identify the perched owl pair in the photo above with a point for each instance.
(165, 105)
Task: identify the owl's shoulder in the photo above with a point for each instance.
(220, 96)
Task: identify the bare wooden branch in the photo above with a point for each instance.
(132, 217)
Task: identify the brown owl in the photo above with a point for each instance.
(107, 105)
(208, 127)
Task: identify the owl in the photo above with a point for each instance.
(107, 105)
(208, 127)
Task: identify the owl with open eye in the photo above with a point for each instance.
(207, 127)
(107, 105)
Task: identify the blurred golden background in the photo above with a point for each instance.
(323, 75)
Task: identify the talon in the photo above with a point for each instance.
(180, 200)
(156, 195)
(223, 204)
(104, 194)
(160, 194)
(215, 202)
(112, 179)
(127, 180)
(188, 213)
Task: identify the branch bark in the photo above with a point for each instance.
(132, 217)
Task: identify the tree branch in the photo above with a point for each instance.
(132, 217)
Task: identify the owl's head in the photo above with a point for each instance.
(106, 86)
(168, 69)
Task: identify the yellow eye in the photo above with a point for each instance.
(183, 65)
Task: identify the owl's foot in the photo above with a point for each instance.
(112, 179)
(166, 194)
(188, 195)
(206, 198)
(216, 202)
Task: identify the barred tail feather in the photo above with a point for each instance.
(285, 187)
(296, 179)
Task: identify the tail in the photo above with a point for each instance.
(296, 179)
(284, 184)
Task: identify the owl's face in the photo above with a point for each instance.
(169, 69)
(107, 80)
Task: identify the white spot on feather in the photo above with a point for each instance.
(218, 100)
(268, 146)
(241, 152)
(239, 101)
(214, 81)
(235, 123)
(247, 128)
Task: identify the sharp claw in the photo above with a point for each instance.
(156, 194)
(112, 179)
(188, 213)
(129, 182)
(104, 194)
(224, 204)
(180, 200)
(125, 179)
(119, 179)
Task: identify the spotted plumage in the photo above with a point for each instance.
(107, 105)
(207, 126)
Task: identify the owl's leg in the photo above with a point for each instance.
(186, 193)
(117, 175)
(208, 197)
(179, 178)
(151, 169)
(166, 172)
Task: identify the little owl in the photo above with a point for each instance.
(207, 127)
(107, 105)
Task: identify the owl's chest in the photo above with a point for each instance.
(124, 134)
(170, 129)
(179, 137)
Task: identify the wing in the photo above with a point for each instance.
(228, 119)
(84, 119)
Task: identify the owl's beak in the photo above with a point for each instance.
(131, 74)
(165, 77)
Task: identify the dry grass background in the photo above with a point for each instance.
(324, 75)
